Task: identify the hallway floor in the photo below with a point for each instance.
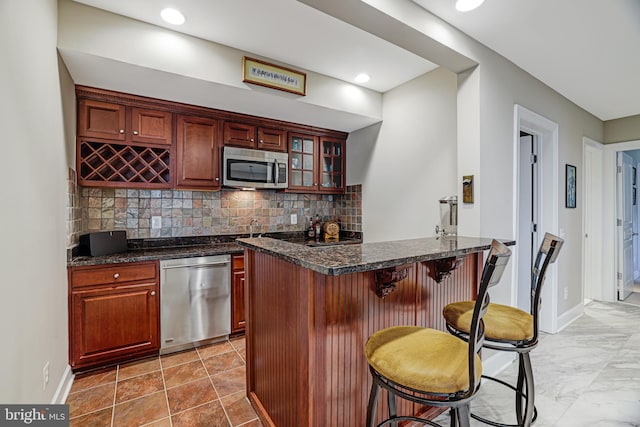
(586, 375)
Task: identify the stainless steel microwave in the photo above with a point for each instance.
(245, 168)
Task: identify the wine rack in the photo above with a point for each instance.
(106, 164)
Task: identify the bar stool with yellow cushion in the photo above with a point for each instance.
(511, 329)
(432, 367)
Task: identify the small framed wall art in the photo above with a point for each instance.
(273, 76)
(570, 186)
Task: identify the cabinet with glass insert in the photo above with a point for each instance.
(331, 165)
(316, 164)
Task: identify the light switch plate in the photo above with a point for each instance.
(156, 222)
(294, 219)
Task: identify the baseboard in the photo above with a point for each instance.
(497, 362)
(64, 387)
(570, 316)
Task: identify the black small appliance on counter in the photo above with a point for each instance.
(103, 243)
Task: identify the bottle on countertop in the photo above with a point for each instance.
(318, 227)
(311, 230)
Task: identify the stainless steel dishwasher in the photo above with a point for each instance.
(195, 301)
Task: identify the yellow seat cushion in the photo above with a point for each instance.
(423, 359)
(502, 322)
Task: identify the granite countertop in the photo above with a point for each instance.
(152, 254)
(344, 259)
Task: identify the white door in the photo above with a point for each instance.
(528, 217)
(634, 213)
(593, 182)
(625, 225)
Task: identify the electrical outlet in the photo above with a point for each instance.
(294, 219)
(156, 222)
(45, 376)
(566, 293)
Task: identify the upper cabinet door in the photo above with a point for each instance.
(97, 119)
(332, 165)
(150, 126)
(303, 158)
(272, 139)
(239, 135)
(197, 152)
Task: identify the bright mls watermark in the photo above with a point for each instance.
(34, 415)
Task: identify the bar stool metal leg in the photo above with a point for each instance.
(373, 402)
(531, 395)
(393, 412)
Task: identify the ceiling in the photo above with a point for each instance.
(584, 49)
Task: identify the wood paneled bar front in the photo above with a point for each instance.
(310, 311)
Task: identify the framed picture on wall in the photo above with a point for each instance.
(570, 186)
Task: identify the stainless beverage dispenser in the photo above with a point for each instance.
(449, 215)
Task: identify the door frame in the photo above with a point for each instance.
(546, 131)
(527, 248)
(623, 201)
(608, 288)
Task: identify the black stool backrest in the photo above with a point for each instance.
(547, 254)
(492, 272)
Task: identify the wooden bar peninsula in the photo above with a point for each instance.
(310, 311)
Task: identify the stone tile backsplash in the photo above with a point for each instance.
(202, 213)
(74, 212)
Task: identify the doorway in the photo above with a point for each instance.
(528, 205)
(627, 196)
(544, 134)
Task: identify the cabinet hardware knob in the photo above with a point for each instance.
(153, 293)
(135, 132)
(115, 276)
(251, 139)
(217, 179)
(261, 141)
(121, 130)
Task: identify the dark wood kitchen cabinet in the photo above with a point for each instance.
(131, 141)
(238, 320)
(113, 313)
(122, 142)
(197, 153)
(255, 137)
(316, 164)
(112, 121)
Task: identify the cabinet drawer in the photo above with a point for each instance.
(113, 274)
(238, 262)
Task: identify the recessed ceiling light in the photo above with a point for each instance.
(467, 5)
(362, 78)
(172, 16)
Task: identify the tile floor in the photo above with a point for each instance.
(587, 375)
(200, 387)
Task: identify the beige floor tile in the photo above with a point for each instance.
(184, 373)
(141, 411)
(189, 395)
(139, 386)
(91, 400)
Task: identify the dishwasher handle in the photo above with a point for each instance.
(210, 264)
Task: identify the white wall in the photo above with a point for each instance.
(502, 85)
(486, 98)
(110, 51)
(407, 163)
(33, 291)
